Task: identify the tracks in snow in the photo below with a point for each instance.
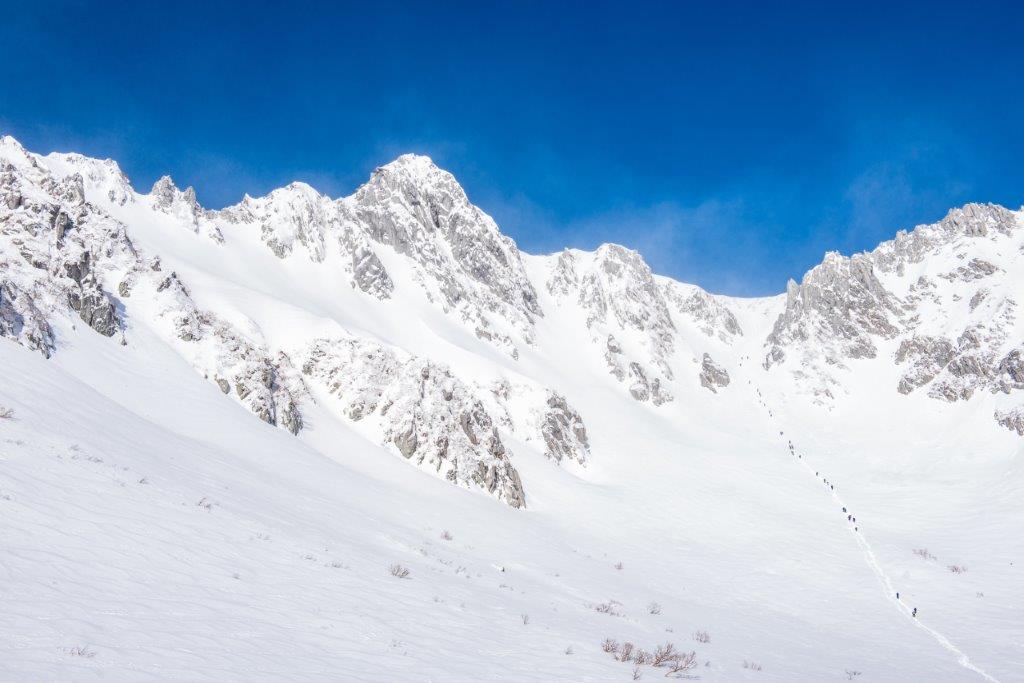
(883, 579)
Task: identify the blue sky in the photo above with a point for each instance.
(731, 143)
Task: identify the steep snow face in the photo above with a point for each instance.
(353, 374)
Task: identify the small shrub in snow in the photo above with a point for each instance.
(957, 569)
(681, 664)
(923, 552)
(446, 535)
(664, 654)
(608, 608)
(398, 571)
(637, 675)
(619, 566)
(525, 618)
(753, 666)
(568, 650)
(851, 674)
(654, 608)
(6, 413)
(702, 637)
(80, 651)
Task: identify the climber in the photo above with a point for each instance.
(844, 509)
(849, 518)
(897, 595)
(914, 614)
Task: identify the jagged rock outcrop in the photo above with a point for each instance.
(88, 299)
(184, 207)
(266, 383)
(712, 376)
(461, 261)
(626, 313)
(54, 251)
(464, 262)
(840, 305)
(563, 431)
(287, 217)
(427, 414)
(692, 305)
(968, 222)
(1012, 419)
(976, 269)
(22, 321)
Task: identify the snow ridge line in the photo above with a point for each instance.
(886, 583)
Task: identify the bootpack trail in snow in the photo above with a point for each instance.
(872, 560)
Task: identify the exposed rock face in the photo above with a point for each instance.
(464, 262)
(22, 321)
(1012, 419)
(969, 222)
(975, 270)
(700, 309)
(841, 303)
(184, 207)
(265, 383)
(287, 217)
(622, 301)
(55, 249)
(297, 216)
(460, 259)
(565, 435)
(712, 376)
(642, 388)
(88, 299)
(430, 417)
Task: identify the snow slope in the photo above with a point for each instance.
(228, 426)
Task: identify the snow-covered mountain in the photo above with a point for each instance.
(225, 426)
